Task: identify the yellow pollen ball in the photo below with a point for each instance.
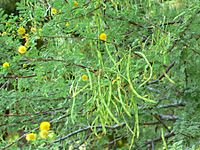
(54, 11)
(84, 77)
(6, 65)
(45, 126)
(102, 36)
(22, 49)
(75, 3)
(43, 134)
(31, 137)
(21, 31)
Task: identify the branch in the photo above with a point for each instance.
(125, 20)
(17, 76)
(50, 111)
(149, 123)
(172, 105)
(160, 138)
(161, 121)
(167, 117)
(175, 105)
(163, 75)
(88, 128)
(58, 60)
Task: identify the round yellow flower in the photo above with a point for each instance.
(102, 36)
(22, 49)
(75, 3)
(43, 134)
(45, 126)
(84, 77)
(31, 137)
(6, 65)
(21, 31)
(54, 11)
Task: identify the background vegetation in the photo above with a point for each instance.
(138, 88)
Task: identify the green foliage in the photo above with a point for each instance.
(8, 6)
(141, 84)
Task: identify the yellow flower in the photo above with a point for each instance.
(67, 24)
(84, 77)
(33, 29)
(54, 11)
(21, 18)
(75, 3)
(45, 126)
(31, 137)
(102, 36)
(6, 65)
(21, 31)
(43, 134)
(22, 49)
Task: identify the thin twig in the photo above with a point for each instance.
(88, 128)
(172, 105)
(160, 138)
(17, 76)
(162, 122)
(163, 75)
